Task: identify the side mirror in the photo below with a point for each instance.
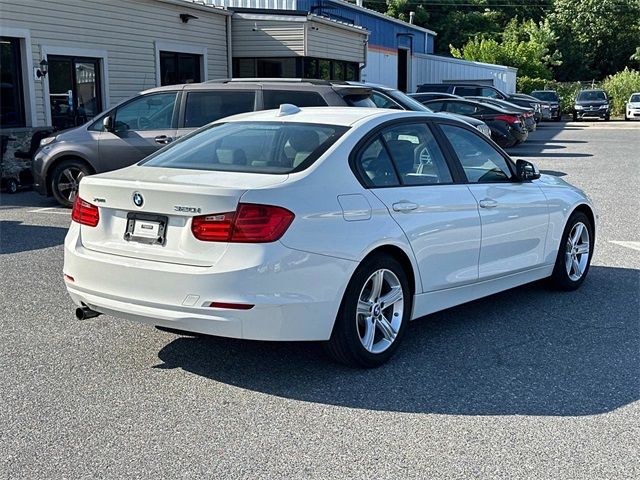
(107, 123)
(527, 170)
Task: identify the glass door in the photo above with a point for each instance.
(74, 90)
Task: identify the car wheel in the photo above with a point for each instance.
(12, 185)
(558, 118)
(607, 118)
(574, 254)
(373, 315)
(575, 117)
(65, 180)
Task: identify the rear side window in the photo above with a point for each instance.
(468, 91)
(206, 107)
(375, 166)
(260, 147)
(275, 98)
(435, 106)
(433, 88)
(461, 108)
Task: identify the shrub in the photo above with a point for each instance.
(620, 87)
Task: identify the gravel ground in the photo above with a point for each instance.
(524, 384)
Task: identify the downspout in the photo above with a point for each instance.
(229, 49)
(366, 54)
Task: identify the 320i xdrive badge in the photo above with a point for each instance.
(337, 225)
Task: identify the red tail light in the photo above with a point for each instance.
(250, 223)
(508, 118)
(84, 213)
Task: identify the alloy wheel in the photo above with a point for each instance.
(379, 312)
(69, 181)
(577, 251)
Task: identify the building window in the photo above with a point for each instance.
(11, 91)
(296, 67)
(75, 90)
(177, 68)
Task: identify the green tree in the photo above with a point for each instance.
(597, 37)
(525, 46)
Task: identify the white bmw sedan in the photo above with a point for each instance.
(337, 225)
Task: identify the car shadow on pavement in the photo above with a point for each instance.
(527, 351)
(18, 237)
(555, 173)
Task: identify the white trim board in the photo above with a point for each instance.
(181, 48)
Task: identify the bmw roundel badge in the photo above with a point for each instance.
(137, 199)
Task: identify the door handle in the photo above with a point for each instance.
(404, 206)
(488, 203)
(163, 139)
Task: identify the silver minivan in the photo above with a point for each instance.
(137, 127)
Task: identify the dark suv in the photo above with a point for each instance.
(478, 90)
(591, 103)
(137, 127)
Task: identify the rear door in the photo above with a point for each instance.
(141, 127)
(514, 214)
(405, 168)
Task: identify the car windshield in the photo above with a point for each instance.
(546, 96)
(257, 147)
(592, 95)
(635, 97)
(407, 102)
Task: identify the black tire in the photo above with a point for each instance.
(575, 118)
(345, 345)
(558, 118)
(560, 279)
(12, 186)
(607, 118)
(59, 180)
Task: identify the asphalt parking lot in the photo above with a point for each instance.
(524, 384)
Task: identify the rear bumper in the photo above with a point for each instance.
(295, 294)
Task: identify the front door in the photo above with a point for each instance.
(141, 127)
(514, 214)
(74, 90)
(406, 170)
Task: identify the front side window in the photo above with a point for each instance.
(275, 98)
(480, 161)
(255, 147)
(148, 112)
(416, 155)
(489, 92)
(11, 99)
(206, 107)
(462, 108)
(468, 91)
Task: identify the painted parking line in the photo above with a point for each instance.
(46, 210)
(632, 245)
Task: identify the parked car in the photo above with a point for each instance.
(526, 112)
(394, 214)
(387, 97)
(137, 127)
(425, 97)
(591, 104)
(545, 107)
(551, 97)
(632, 109)
(478, 90)
(507, 127)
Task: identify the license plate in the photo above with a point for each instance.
(146, 228)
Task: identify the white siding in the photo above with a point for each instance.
(435, 69)
(253, 37)
(382, 68)
(125, 31)
(326, 41)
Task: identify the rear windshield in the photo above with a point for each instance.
(545, 96)
(259, 147)
(592, 95)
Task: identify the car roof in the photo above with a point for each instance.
(345, 116)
